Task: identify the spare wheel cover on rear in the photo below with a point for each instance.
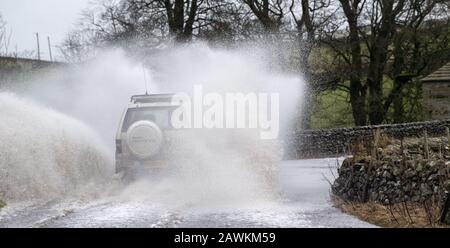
(144, 139)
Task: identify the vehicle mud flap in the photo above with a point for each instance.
(124, 170)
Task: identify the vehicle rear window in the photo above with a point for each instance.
(160, 116)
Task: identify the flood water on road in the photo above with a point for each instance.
(304, 202)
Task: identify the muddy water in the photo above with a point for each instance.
(303, 202)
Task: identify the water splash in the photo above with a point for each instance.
(45, 154)
(97, 91)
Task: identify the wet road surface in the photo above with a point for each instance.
(304, 202)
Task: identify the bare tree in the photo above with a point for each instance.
(184, 19)
(178, 15)
(369, 44)
(352, 9)
(78, 46)
(154, 21)
(269, 12)
(308, 20)
(359, 46)
(308, 16)
(5, 38)
(420, 45)
(384, 15)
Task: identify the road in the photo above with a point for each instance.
(304, 202)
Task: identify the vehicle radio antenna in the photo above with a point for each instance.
(145, 79)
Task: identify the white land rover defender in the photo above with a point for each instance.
(140, 139)
(147, 143)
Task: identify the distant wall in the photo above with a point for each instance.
(12, 64)
(335, 142)
(18, 69)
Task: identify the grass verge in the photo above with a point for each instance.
(393, 216)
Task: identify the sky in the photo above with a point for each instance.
(54, 18)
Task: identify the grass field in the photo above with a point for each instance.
(332, 109)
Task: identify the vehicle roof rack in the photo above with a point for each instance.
(152, 98)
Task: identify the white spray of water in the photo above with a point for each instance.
(212, 169)
(208, 168)
(45, 154)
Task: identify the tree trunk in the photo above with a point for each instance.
(357, 90)
(180, 29)
(358, 103)
(376, 113)
(262, 10)
(397, 68)
(378, 56)
(380, 40)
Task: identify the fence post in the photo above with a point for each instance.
(375, 143)
(402, 147)
(447, 133)
(371, 163)
(38, 47)
(49, 49)
(425, 144)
